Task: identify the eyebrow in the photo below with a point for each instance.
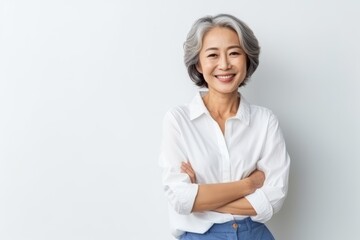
(214, 48)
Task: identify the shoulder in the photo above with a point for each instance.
(182, 114)
(260, 110)
(262, 114)
(177, 113)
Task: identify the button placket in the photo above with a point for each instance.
(224, 152)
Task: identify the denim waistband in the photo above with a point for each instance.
(235, 225)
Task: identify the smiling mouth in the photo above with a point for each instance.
(225, 78)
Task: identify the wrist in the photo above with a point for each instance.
(249, 185)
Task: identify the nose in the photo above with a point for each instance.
(224, 63)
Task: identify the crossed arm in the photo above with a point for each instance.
(225, 197)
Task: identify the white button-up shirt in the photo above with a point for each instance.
(252, 140)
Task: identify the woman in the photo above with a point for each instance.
(225, 164)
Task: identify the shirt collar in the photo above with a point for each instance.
(198, 108)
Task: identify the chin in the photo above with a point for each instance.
(226, 90)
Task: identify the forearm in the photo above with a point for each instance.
(214, 196)
(238, 207)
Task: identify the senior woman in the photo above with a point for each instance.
(224, 161)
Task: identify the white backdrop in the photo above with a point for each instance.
(84, 86)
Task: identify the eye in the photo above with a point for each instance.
(235, 53)
(212, 55)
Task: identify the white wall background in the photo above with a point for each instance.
(84, 86)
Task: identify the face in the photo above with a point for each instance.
(222, 60)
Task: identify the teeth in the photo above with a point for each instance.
(224, 76)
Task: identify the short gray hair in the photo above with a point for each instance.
(193, 44)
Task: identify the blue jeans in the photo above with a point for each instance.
(233, 230)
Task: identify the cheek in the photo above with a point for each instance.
(198, 68)
(243, 63)
(207, 67)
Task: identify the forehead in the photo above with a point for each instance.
(220, 36)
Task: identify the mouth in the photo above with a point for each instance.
(225, 78)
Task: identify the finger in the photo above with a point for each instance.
(184, 164)
(188, 165)
(183, 168)
(190, 173)
(187, 170)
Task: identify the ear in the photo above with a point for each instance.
(198, 67)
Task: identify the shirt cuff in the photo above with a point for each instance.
(262, 206)
(189, 199)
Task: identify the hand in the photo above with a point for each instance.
(257, 178)
(187, 168)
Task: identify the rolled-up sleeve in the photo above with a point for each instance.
(178, 188)
(275, 163)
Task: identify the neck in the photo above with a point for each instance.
(222, 105)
